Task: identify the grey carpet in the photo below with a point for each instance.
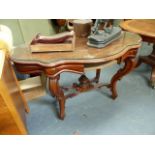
(94, 112)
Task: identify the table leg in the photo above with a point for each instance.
(153, 68)
(130, 63)
(98, 72)
(153, 77)
(150, 60)
(153, 51)
(58, 93)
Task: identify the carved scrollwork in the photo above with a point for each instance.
(55, 71)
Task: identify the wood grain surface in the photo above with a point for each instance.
(12, 102)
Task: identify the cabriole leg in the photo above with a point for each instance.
(58, 93)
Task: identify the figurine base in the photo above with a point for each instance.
(103, 45)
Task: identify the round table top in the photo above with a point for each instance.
(145, 27)
(82, 53)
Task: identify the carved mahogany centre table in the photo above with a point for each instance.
(52, 64)
(146, 29)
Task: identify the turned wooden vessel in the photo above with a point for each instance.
(82, 28)
(83, 58)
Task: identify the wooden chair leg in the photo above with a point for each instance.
(153, 77)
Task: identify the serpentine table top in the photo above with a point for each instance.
(82, 53)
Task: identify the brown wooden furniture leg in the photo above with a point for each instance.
(153, 67)
(27, 109)
(58, 93)
(98, 72)
(130, 63)
(150, 60)
(153, 51)
(153, 77)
